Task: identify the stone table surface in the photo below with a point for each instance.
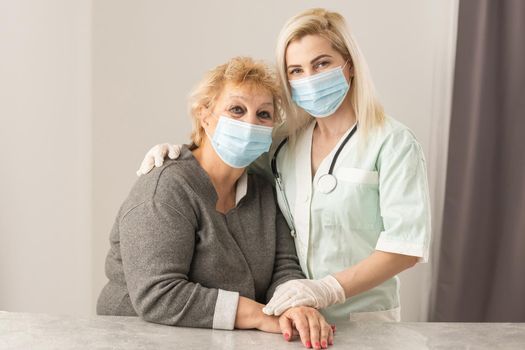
(41, 331)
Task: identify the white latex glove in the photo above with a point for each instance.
(156, 155)
(314, 293)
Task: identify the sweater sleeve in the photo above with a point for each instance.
(286, 265)
(157, 245)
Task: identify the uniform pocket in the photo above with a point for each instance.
(354, 203)
(358, 194)
(358, 176)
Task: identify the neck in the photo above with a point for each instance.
(223, 176)
(339, 122)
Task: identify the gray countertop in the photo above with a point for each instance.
(39, 331)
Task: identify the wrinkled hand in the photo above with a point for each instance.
(315, 293)
(156, 155)
(313, 329)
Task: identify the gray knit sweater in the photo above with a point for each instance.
(175, 260)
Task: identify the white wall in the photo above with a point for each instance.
(143, 58)
(45, 152)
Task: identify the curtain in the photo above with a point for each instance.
(481, 275)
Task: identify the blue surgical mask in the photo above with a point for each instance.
(238, 143)
(321, 94)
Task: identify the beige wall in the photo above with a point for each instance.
(143, 58)
(45, 152)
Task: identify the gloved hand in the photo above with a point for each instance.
(314, 293)
(156, 155)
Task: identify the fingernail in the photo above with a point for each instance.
(286, 336)
(323, 344)
(317, 345)
(308, 344)
(331, 342)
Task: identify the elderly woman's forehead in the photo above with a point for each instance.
(247, 90)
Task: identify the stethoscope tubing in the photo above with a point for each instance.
(331, 177)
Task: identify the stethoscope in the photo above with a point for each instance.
(326, 183)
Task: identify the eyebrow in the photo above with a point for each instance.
(311, 62)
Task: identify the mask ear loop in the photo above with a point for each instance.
(352, 76)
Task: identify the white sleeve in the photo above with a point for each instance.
(404, 197)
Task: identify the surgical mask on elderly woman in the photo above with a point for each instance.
(320, 94)
(238, 143)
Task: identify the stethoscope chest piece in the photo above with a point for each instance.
(326, 183)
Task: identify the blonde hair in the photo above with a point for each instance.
(239, 70)
(331, 26)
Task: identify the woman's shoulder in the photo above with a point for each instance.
(173, 183)
(173, 175)
(396, 141)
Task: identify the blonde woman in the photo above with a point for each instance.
(199, 242)
(351, 181)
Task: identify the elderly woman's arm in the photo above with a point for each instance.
(157, 264)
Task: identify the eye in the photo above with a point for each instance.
(294, 71)
(264, 115)
(321, 64)
(237, 110)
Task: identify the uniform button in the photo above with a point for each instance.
(306, 197)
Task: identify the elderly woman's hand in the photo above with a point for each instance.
(311, 325)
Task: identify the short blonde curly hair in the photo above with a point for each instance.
(238, 70)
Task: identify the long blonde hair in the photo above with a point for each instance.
(331, 26)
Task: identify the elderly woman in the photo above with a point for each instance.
(199, 242)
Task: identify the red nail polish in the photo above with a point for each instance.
(286, 336)
(331, 342)
(323, 344)
(308, 344)
(316, 345)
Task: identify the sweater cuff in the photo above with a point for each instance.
(225, 310)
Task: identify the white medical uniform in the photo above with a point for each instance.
(381, 202)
